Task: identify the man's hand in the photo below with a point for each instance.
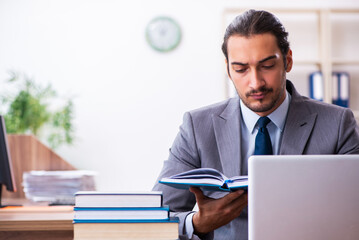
(214, 213)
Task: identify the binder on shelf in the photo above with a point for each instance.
(316, 86)
(340, 94)
(340, 87)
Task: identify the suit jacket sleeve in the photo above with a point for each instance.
(348, 142)
(183, 156)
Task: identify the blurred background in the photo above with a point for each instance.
(129, 98)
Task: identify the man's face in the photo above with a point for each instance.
(256, 68)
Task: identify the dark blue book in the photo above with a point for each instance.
(160, 213)
(168, 220)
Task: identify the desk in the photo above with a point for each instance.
(36, 222)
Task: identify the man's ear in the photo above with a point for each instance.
(289, 61)
(227, 68)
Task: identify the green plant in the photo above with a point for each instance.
(28, 111)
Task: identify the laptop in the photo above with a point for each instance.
(303, 197)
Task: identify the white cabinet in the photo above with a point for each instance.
(323, 40)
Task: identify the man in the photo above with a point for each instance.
(222, 136)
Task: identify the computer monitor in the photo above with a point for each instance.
(6, 174)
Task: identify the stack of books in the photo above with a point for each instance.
(122, 215)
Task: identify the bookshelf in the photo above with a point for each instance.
(322, 40)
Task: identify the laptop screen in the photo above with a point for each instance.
(303, 197)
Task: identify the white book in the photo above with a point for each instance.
(118, 199)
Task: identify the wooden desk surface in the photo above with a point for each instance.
(36, 218)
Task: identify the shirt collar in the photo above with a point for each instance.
(277, 117)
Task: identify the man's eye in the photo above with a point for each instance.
(268, 66)
(242, 70)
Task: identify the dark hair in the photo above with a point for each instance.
(257, 22)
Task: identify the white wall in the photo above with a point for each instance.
(129, 99)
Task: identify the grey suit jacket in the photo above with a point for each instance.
(210, 137)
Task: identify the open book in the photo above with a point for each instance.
(207, 179)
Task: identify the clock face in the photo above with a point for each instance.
(163, 34)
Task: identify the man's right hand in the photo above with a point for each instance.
(214, 213)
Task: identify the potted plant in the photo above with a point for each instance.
(26, 109)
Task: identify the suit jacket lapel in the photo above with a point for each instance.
(296, 133)
(299, 125)
(227, 132)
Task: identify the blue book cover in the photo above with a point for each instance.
(168, 220)
(163, 208)
(160, 213)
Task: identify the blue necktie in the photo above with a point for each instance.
(263, 145)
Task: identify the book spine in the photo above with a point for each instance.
(109, 214)
(168, 220)
(82, 193)
(163, 208)
(118, 200)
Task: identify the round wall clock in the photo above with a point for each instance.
(163, 34)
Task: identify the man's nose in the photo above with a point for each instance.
(256, 81)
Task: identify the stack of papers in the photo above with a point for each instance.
(57, 187)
